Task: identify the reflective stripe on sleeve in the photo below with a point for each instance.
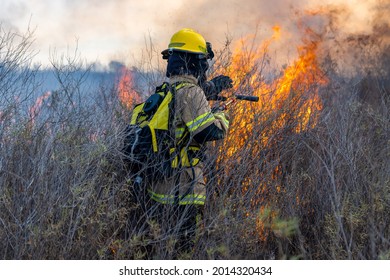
(200, 121)
(221, 116)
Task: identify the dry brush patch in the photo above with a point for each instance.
(284, 184)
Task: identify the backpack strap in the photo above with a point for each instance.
(173, 89)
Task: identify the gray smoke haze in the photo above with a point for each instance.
(117, 30)
(214, 18)
(348, 30)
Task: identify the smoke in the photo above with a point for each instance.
(240, 17)
(117, 30)
(10, 13)
(348, 30)
(357, 36)
(100, 30)
(214, 18)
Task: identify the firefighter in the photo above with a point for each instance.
(179, 200)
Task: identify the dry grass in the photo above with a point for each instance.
(322, 193)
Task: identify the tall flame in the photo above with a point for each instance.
(288, 103)
(35, 109)
(126, 92)
(289, 99)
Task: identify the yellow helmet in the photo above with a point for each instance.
(187, 40)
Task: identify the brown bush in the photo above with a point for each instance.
(284, 190)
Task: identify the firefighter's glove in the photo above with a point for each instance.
(222, 82)
(214, 87)
(210, 92)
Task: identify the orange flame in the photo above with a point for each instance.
(35, 109)
(126, 92)
(288, 103)
(290, 99)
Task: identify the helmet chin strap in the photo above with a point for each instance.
(209, 50)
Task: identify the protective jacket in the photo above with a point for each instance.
(194, 124)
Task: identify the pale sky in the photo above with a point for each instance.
(108, 30)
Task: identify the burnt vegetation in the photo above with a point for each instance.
(303, 174)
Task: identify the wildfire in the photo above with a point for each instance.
(288, 103)
(289, 99)
(35, 109)
(126, 92)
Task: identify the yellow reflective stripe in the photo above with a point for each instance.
(198, 200)
(200, 121)
(226, 122)
(184, 159)
(154, 139)
(170, 199)
(222, 117)
(175, 161)
(160, 198)
(181, 85)
(179, 132)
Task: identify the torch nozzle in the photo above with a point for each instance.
(247, 98)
